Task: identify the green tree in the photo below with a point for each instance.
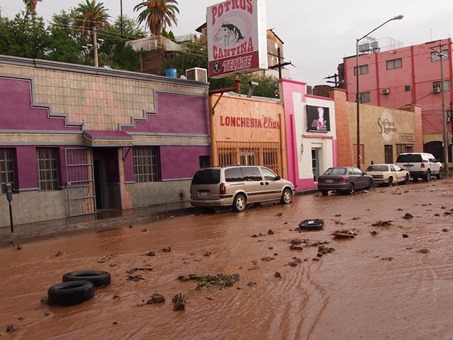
(24, 36)
(119, 54)
(65, 46)
(157, 14)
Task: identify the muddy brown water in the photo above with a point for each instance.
(388, 282)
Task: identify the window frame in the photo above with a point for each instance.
(48, 168)
(7, 168)
(363, 69)
(393, 64)
(146, 164)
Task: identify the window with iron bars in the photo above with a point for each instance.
(6, 168)
(47, 168)
(146, 164)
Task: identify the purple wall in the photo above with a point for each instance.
(179, 114)
(181, 162)
(17, 112)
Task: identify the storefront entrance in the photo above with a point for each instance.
(106, 178)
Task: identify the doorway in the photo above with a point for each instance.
(106, 178)
(315, 163)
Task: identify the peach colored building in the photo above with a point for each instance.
(248, 131)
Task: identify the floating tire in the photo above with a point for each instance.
(313, 224)
(70, 293)
(98, 278)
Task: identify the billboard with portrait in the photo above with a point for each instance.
(236, 33)
(318, 118)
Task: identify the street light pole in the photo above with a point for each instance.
(444, 111)
(398, 17)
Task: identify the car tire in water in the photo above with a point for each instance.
(390, 182)
(406, 181)
(427, 175)
(287, 196)
(351, 189)
(239, 202)
(70, 293)
(98, 278)
(440, 175)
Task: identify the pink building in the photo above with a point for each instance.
(399, 78)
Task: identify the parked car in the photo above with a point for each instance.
(344, 179)
(388, 174)
(238, 186)
(420, 165)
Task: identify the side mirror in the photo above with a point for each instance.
(278, 178)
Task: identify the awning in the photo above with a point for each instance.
(101, 138)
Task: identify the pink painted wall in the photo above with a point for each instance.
(418, 71)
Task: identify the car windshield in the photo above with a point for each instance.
(336, 171)
(377, 168)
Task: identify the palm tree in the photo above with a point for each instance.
(157, 14)
(90, 16)
(30, 5)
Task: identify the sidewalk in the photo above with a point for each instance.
(104, 220)
(101, 221)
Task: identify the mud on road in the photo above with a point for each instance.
(390, 278)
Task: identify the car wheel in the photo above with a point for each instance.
(440, 175)
(70, 293)
(97, 277)
(406, 180)
(239, 202)
(390, 182)
(351, 189)
(370, 184)
(427, 175)
(324, 192)
(287, 196)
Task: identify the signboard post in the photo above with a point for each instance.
(237, 41)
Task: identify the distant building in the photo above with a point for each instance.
(401, 77)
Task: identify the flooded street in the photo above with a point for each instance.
(392, 280)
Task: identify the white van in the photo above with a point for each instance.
(420, 165)
(238, 186)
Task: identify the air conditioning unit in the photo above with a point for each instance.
(385, 91)
(197, 74)
(436, 89)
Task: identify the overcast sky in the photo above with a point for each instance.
(317, 35)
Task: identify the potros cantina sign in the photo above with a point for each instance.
(236, 37)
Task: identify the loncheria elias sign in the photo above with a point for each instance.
(237, 42)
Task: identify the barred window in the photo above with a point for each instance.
(47, 168)
(146, 164)
(6, 168)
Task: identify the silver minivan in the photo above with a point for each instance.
(238, 186)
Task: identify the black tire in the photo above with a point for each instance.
(370, 184)
(406, 181)
(239, 202)
(390, 182)
(351, 189)
(70, 293)
(324, 192)
(427, 176)
(314, 224)
(287, 196)
(440, 175)
(97, 277)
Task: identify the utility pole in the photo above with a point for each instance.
(444, 110)
(95, 46)
(280, 65)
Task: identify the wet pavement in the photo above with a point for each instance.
(389, 279)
